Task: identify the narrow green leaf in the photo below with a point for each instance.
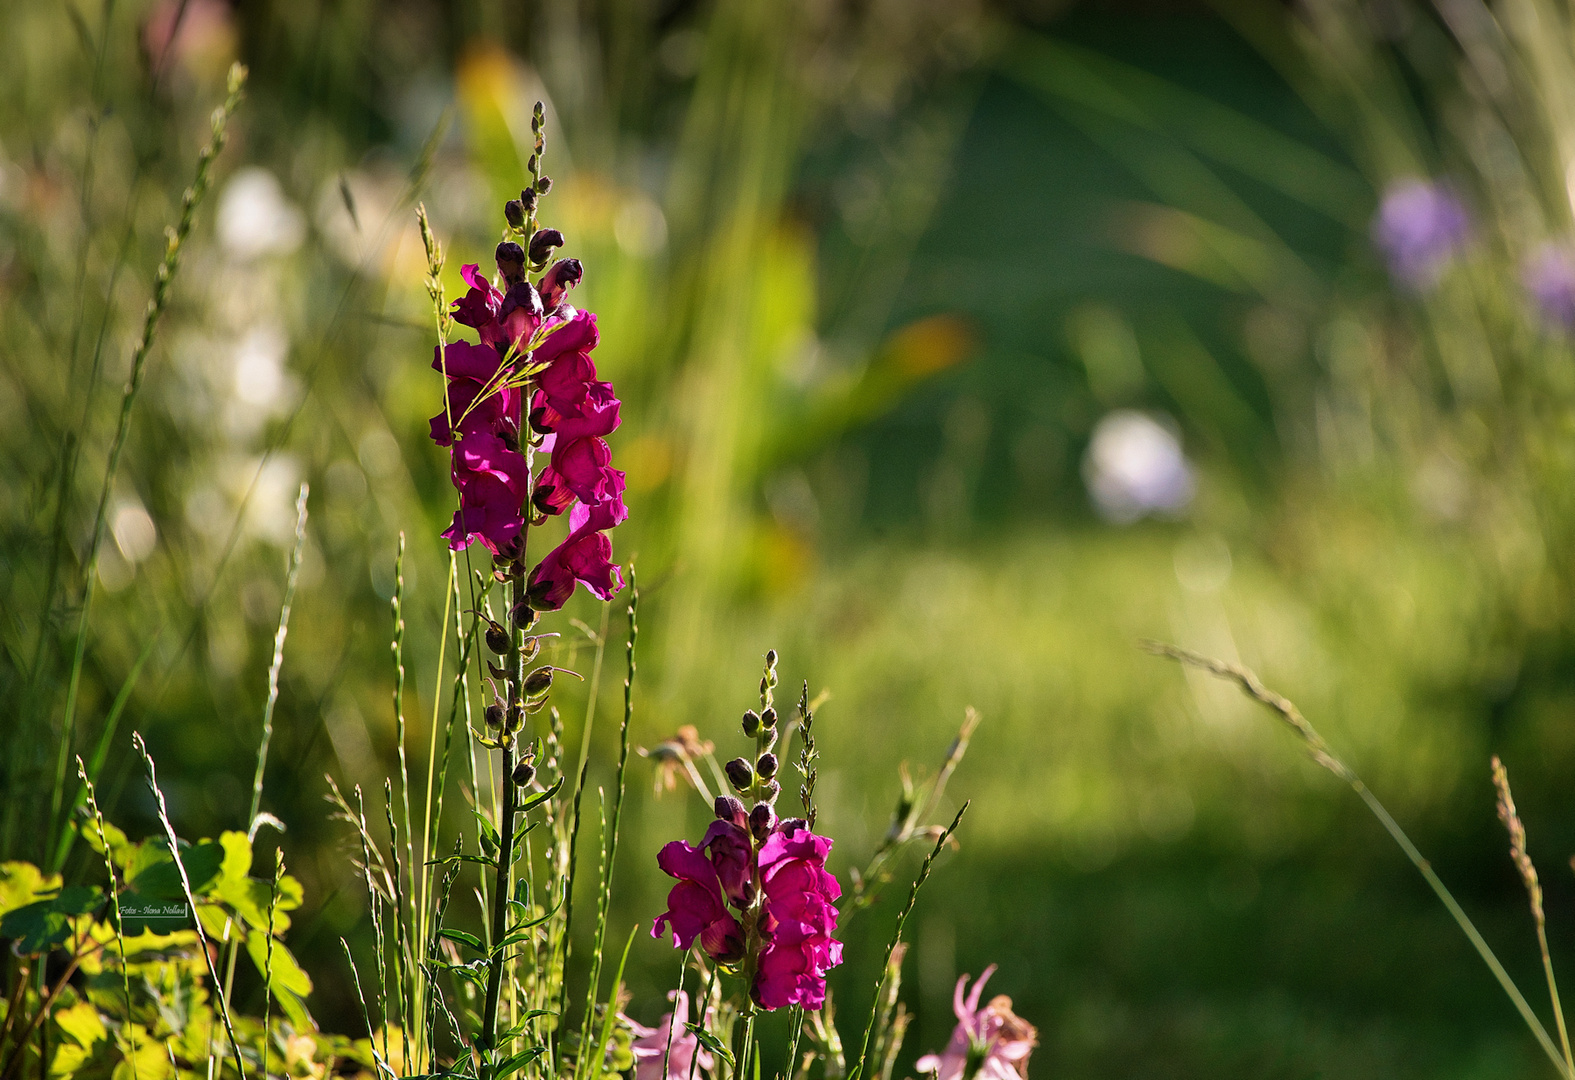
(463, 938)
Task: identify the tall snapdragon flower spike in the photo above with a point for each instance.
(531, 340)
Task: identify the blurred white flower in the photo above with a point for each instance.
(639, 227)
(134, 531)
(256, 219)
(262, 388)
(1135, 467)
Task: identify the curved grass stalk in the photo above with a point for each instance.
(604, 901)
(176, 237)
(860, 1069)
(1324, 756)
(191, 900)
(114, 900)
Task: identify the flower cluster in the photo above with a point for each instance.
(531, 340)
(771, 872)
(992, 1043)
(791, 944)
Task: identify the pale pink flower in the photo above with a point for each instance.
(650, 1045)
(992, 1043)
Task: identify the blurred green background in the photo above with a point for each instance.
(962, 345)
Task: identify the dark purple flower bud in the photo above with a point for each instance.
(528, 200)
(731, 809)
(514, 213)
(770, 790)
(771, 659)
(511, 262)
(524, 773)
(544, 184)
(522, 296)
(787, 825)
(497, 638)
(769, 717)
(560, 277)
(538, 682)
(751, 723)
(522, 615)
(762, 819)
(543, 243)
(739, 774)
(766, 766)
(494, 715)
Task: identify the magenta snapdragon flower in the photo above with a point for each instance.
(992, 1043)
(650, 1045)
(696, 907)
(791, 946)
(531, 330)
(799, 916)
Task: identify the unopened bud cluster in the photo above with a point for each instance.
(756, 780)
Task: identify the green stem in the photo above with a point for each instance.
(500, 895)
(896, 938)
(604, 901)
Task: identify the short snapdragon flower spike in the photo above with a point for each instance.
(992, 1043)
(1420, 227)
(1549, 277)
(651, 1046)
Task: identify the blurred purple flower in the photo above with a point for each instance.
(992, 1043)
(1420, 226)
(650, 1045)
(1549, 277)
